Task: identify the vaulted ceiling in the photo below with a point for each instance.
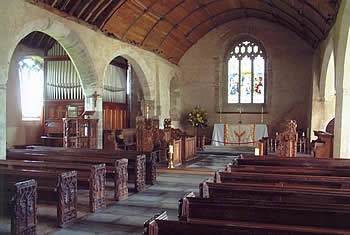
(170, 27)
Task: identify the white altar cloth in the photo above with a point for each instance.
(219, 139)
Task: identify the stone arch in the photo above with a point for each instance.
(327, 77)
(140, 66)
(140, 84)
(71, 43)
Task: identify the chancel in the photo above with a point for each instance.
(113, 107)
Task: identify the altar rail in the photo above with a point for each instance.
(271, 144)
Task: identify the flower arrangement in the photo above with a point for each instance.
(198, 117)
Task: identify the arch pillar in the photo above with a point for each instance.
(3, 145)
(342, 112)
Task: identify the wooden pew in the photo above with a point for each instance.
(91, 176)
(160, 225)
(307, 162)
(281, 179)
(272, 192)
(136, 171)
(289, 170)
(62, 185)
(308, 215)
(24, 207)
(151, 157)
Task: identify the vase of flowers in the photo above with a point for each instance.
(198, 117)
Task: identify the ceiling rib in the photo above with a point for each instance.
(112, 12)
(163, 18)
(93, 10)
(76, 4)
(103, 8)
(182, 20)
(84, 8)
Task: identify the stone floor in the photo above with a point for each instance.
(128, 216)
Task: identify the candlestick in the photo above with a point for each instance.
(170, 160)
(262, 113)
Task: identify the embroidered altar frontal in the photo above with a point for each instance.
(239, 135)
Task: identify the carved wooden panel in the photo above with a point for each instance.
(121, 179)
(144, 135)
(288, 140)
(24, 204)
(151, 168)
(67, 198)
(114, 116)
(97, 187)
(189, 148)
(140, 171)
(177, 155)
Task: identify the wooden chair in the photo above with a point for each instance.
(322, 147)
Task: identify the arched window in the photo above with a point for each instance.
(246, 73)
(31, 78)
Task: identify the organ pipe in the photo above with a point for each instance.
(62, 81)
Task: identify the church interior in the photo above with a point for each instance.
(174, 117)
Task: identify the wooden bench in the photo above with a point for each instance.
(281, 179)
(62, 185)
(92, 177)
(151, 157)
(306, 162)
(136, 171)
(289, 170)
(306, 215)
(272, 192)
(160, 225)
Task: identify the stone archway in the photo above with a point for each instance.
(140, 89)
(70, 42)
(76, 49)
(327, 77)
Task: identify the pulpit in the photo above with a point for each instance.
(80, 133)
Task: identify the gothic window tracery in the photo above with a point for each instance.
(246, 66)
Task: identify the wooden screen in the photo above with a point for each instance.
(115, 116)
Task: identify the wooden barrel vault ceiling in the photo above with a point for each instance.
(170, 27)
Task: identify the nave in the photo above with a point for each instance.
(128, 216)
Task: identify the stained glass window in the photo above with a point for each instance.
(246, 73)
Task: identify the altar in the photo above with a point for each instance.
(238, 134)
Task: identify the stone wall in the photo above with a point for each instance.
(289, 75)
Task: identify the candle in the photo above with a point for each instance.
(256, 152)
(171, 149)
(86, 130)
(303, 134)
(147, 110)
